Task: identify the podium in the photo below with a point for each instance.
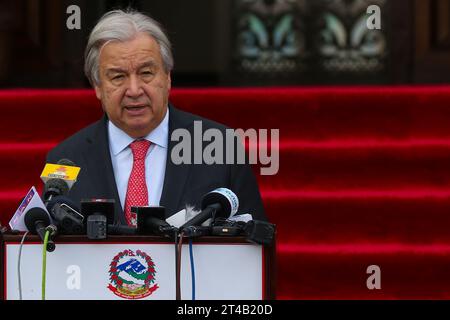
(138, 268)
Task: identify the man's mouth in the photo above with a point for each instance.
(136, 110)
(135, 107)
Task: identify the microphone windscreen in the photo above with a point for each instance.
(33, 215)
(55, 186)
(226, 198)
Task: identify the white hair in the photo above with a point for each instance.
(119, 25)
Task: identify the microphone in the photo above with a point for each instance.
(58, 178)
(221, 202)
(98, 228)
(54, 187)
(150, 220)
(158, 226)
(38, 222)
(99, 213)
(67, 215)
(196, 231)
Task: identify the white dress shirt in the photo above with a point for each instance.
(155, 160)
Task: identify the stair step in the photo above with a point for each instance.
(309, 165)
(335, 165)
(313, 113)
(360, 216)
(54, 114)
(22, 164)
(325, 113)
(340, 271)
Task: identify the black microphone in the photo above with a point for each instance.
(66, 214)
(150, 220)
(221, 202)
(57, 186)
(54, 187)
(196, 231)
(158, 226)
(38, 222)
(99, 214)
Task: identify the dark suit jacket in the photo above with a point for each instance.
(183, 184)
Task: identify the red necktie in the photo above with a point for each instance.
(137, 193)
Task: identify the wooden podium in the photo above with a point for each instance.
(137, 267)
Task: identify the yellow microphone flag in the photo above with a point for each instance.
(57, 171)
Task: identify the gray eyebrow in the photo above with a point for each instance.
(117, 70)
(147, 64)
(120, 70)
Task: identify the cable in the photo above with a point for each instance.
(176, 265)
(44, 262)
(178, 276)
(18, 265)
(191, 254)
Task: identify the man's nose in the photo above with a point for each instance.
(134, 88)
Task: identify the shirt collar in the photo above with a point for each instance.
(119, 140)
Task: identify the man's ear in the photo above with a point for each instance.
(98, 92)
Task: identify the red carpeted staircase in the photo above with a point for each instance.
(364, 177)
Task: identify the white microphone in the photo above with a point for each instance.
(220, 203)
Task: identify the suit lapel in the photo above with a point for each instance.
(99, 166)
(176, 175)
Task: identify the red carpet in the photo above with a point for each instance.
(364, 177)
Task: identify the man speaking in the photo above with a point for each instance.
(126, 155)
